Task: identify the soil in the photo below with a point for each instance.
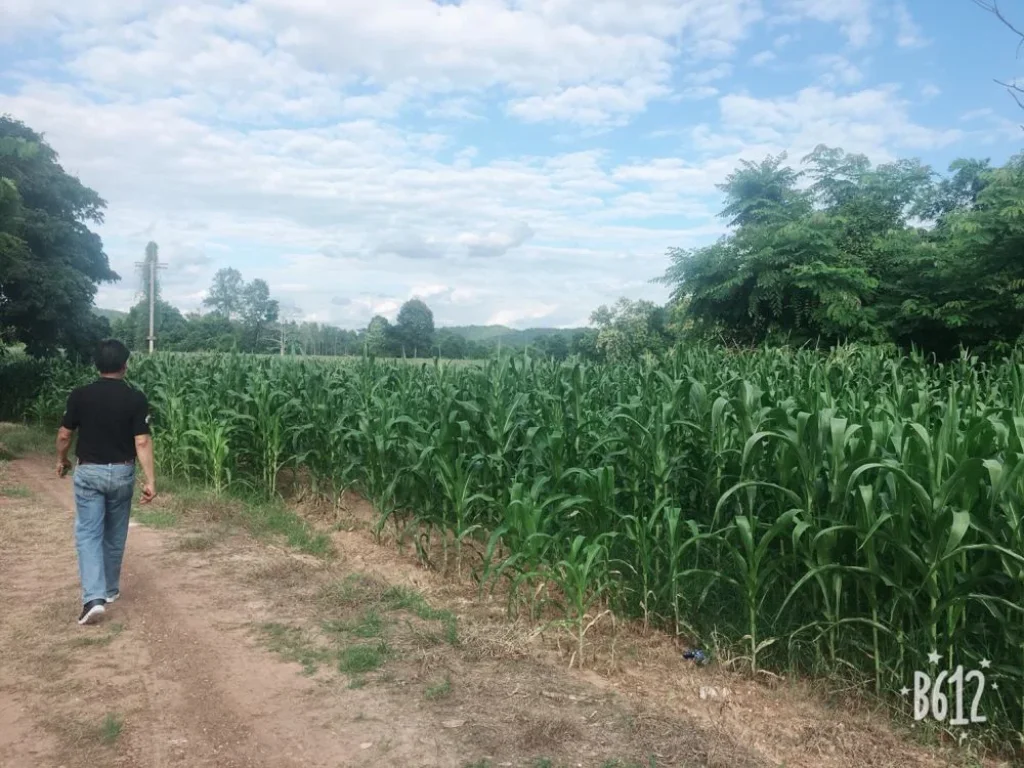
(229, 651)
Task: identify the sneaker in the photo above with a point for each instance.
(91, 612)
(113, 597)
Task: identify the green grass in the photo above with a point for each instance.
(355, 626)
(16, 492)
(357, 659)
(111, 729)
(440, 690)
(292, 644)
(274, 519)
(355, 589)
(369, 624)
(402, 598)
(17, 440)
(156, 519)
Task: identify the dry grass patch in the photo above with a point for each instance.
(199, 542)
(204, 507)
(537, 734)
(85, 741)
(288, 579)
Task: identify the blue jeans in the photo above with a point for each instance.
(103, 501)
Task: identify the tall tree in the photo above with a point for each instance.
(209, 332)
(414, 329)
(555, 346)
(885, 254)
(226, 292)
(763, 193)
(257, 310)
(168, 323)
(629, 328)
(50, 261)
(450, 345)
(377, 338)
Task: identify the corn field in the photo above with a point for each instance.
(844, 513)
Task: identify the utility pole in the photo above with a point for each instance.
(153, 263)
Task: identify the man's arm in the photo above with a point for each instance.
(63, 446)
(68, 424)
(144, 449)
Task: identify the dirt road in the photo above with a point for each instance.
(169, 661)
(224, 651)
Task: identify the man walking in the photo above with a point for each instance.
(112, 420)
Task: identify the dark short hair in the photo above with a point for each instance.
(111, 356)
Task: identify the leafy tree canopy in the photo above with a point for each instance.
(843, 250)
(414, 329)
(225, 295)
(50, 261)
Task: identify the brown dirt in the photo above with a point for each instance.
(192, 661)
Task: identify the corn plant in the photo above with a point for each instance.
(847, 511)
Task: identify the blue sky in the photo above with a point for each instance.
(508, 161)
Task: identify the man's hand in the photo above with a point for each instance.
(144, 450)
(63, 446)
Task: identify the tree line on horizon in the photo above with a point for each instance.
(835, 250)
(243, 317)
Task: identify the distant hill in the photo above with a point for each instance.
(507, 336)
(110, 314)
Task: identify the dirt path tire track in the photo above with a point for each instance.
(196, 695)
(196, 690)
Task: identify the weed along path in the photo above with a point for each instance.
(234, 650)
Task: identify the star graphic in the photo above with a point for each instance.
(904, 691)
(934, 658)
(995, 686)
(985, 663)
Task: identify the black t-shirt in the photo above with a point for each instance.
(108, 414)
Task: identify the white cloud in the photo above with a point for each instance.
(837, 70)
(697, 93)
(479, 153)
(853, 16)
(587, 104)
(977, 114)
(992, 127)
(874, 121)
(272, 60)
(908, 33)
(531, 310)
(410, 245)
(930, 91)
(458, 108)
(497, 242)
(706, 76)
